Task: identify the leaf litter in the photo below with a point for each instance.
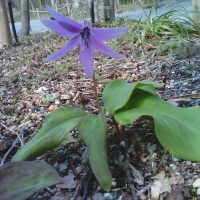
(30, 89)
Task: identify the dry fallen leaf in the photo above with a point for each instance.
(160, 185)
(68, 182)
(138, 178)
(176, 194)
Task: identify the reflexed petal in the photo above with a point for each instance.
(87, 60)
(108, 33)
(66, 22)
(64, 50)
(100, 46)
(56, 27)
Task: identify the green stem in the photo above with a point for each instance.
(96, 93)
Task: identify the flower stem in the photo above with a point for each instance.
(96, 93)
(116, 126)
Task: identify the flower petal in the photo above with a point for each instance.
(64, 50)
(100, 46)
(56, 27)
(108, 33)
(87, 59)
(66, 22)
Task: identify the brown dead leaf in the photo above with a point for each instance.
(52, 107)
(3, 146)
(176, 194)
(124, 75)
(68, 182)
(160, 185)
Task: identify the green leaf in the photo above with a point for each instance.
(93, 131)
(118, 92)
(177, 129)
(19, 180)
(52, 133)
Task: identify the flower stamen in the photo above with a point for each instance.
(85, 34)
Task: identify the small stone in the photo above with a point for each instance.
(173, 166)
(79, 169)
(183, 68)
(198, 192)
(194, 164)
(41, 89)
(152, 148)
(66, 97)
(196, 183)
(52, 108)
(123, 144)
(63, 167)
(100, 86)
(31, 125)
(57, 102)
(188, 162)
(33, 109)
(97, 196)
(55, 164)
(175, 159)
(108, 196)
(114, 183)
(121, 158)
(42, 109)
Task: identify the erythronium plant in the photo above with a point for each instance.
(177, 129)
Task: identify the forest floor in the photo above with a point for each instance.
(30, 89)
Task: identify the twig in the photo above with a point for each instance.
(8, 152)
(80, 185)
(18, 136)
(36, 195)
(143, 190)
(92, 107)
(86, 187)
(11, 148)
(128, 174)
(162, 159)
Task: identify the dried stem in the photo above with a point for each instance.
(96, 93)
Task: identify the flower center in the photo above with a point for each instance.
(85, 34)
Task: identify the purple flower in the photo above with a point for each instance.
(85, 35)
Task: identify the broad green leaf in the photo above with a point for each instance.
(93, 131)
(118, 92)
(177, 129)
(52, 133)
(19, 180)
